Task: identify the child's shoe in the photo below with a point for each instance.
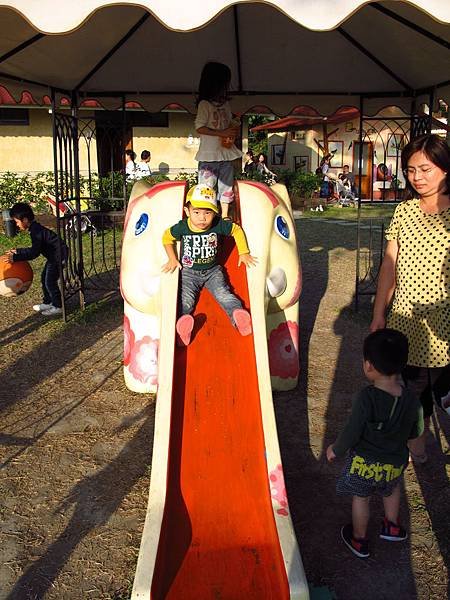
(392, 532)
(53, 311)
(184, 327)
(41, 307)
(243, 321)
(358, 547)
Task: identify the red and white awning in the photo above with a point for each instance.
(286, 54)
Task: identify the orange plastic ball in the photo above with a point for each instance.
(15, 278)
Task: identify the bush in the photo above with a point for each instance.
(305, 184)
(24, 187)
(191, 178)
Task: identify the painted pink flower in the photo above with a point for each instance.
(128, 340)
(283, 350)
(143, 363)
(278, 490)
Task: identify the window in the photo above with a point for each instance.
(14, 116)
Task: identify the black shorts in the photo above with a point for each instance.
(361, 477)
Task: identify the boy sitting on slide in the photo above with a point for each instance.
(200, 235)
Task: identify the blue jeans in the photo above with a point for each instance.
(192, 281)
(50, 287)
(220, 173)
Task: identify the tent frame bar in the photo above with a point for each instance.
(22, 46)
(413, 26)
(113, 50)
(373, 58)
(238, 45)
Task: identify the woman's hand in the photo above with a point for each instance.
(377, 323)
(247, 259)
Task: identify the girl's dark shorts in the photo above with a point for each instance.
(361, 477)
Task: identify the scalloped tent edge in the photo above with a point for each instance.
(26, 54)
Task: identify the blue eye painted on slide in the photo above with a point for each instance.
(281, 227)
(141, 225)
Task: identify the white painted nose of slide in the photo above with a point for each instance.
(276, 282)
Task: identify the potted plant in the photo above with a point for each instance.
(302, 188)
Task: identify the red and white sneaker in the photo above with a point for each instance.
(359, 547)
(184, 327)
(243, 321)
(392, 532)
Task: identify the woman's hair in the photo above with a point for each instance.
(435, 149)
(145, 154)
(264, 157)
(214, 83)
(131, 154)
(250, 153)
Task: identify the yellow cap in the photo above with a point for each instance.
(202, 196)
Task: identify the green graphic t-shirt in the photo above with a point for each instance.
(199, 248)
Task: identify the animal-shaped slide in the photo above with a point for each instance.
(218, 523)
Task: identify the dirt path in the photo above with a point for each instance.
(76, 448)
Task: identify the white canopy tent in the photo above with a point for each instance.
(319, 53)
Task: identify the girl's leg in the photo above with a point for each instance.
(208, 173)
(225, 186)
(360, 516)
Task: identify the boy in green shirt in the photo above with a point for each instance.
(384, 416)
(200, 236)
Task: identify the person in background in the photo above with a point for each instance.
(415, 272)
(249, 164)
(347, 178)
(130, 165)
(217, 130)
(143, 167)
(262, 167)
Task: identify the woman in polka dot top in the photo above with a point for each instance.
(415, 273)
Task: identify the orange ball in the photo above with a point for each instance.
(15, 278)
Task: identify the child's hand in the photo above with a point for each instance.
(330, 453)
(247, 259)
(8, 258)
(171, 266)
(228, 132)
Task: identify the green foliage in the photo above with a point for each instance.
(255, 176)
(257, 140)
(191, 178)
(304, 184)
(15, 187)
(156, 178)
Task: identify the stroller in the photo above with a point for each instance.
(344, 192)
(70, 227)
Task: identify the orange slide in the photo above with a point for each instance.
(218, 536)
(218, 525)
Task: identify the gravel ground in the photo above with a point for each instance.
(76, 450)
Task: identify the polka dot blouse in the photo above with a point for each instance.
(421, 306)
